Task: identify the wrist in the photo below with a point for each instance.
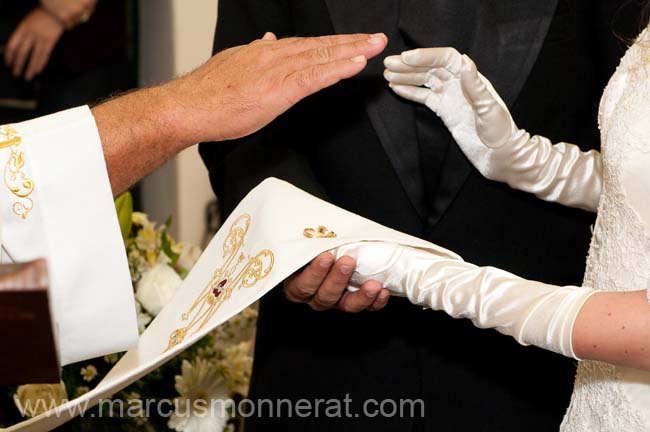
(67, 18)
(173, 117)
(190, 122)
(55, 16)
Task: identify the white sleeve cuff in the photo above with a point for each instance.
(57, 203)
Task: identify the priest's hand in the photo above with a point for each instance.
(242, 89)
(323, 285)
(235, 93)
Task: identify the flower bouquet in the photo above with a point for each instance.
(181, 394)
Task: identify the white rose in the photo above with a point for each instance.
(35, 399)
(157, 287)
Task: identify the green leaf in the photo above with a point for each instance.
(166, 242)
(182, 272)
(166, 246)
(124, 207)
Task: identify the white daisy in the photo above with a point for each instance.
(204, 402)
(88, 373)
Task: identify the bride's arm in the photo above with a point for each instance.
(614, 327)
(451, 86)
(577, 322)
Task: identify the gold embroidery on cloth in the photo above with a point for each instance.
(645, 53)
(15, 178)
(237, 271)
(320, 232)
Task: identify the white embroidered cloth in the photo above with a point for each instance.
(260, 244)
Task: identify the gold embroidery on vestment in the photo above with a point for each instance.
(237, 271)
(15, 178)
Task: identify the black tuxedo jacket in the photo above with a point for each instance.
(364, 149)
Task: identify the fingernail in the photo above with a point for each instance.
(325, 263)
(358, 59)
(383, 295)
(346, 270)
(371, 294)
(377, 38)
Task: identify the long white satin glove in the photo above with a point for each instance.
(485, 131)
(532, 312)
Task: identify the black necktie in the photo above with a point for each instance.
(427, 23)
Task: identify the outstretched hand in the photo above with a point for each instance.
(255, 83)
(450, 85)
(323, 285)
(235, 93)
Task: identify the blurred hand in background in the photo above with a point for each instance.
(70, 12)
(30, 46)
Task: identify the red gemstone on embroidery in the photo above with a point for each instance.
(217, 291)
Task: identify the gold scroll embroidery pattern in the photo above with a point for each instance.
(15, 178)
(238, 270)
(320, 232)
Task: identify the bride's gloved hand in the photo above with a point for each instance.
(450, 85)
(532, 312)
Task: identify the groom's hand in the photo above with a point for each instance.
(323, 285)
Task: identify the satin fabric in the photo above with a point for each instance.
(532, 312)
(559, 173)
(483, 128)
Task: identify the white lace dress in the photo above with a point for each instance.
(611, 398)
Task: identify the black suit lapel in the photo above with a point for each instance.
(522, 27)
(507, 39)
(392, 119)
(428, 23)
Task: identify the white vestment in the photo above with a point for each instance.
(57, 204)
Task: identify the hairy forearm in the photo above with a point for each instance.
(138, 134)
(235, 93)
(614, 327)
